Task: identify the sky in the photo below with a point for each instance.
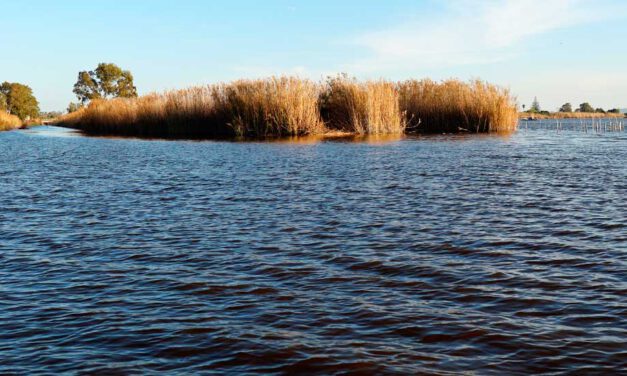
(556, 50)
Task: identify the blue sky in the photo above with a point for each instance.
(557, 50)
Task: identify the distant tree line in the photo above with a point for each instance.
(567, 107)
(587, 107)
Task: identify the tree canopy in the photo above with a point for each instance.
(18, 100)
(73, 107)
(586, 107)
(106, 81)
(566, 107)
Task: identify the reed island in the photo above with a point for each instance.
(292, 106)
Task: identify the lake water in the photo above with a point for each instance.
(416, 255)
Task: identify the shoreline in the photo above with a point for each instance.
(569, 115)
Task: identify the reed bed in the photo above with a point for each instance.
(289, 106)
(372, 107)
(182, 113)
(8, 121)
(453, 106)
(284, 106)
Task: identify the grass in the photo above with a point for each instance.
(8, 121)
(290, 106)
(453, 106)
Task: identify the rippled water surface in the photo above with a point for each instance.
(420, 255)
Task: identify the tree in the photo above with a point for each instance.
(614, 111)
(535, 105)
(5, 88)
(19, 100)
(73, 107)
(106, 81)
(3, 101)
(566, 107)
(600, 110)
(586, 107)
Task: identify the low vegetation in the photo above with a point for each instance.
(8, 121)
(290, 106)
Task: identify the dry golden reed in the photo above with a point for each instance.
(8, 121)
(453, 106)
(284, 106)
(370, 107)
(187, 112)
(290, 106)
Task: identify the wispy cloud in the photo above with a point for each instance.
(471, 32)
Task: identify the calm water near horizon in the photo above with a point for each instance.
(438, 254)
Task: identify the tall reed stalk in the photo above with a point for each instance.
(370, 107)
(8, 121)
(453, 106)
(284, 106)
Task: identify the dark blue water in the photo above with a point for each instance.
(441, 254)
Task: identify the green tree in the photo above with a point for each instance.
(586, 107)
(614, 111)
(73, 107)
(3, 101)
(19, 100)
(600, 110)
(566, 107)
(5, 88)
(535, 105)
(106, 81)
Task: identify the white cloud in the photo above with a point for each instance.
(471, 32)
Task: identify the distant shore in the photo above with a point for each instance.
(569, 115)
